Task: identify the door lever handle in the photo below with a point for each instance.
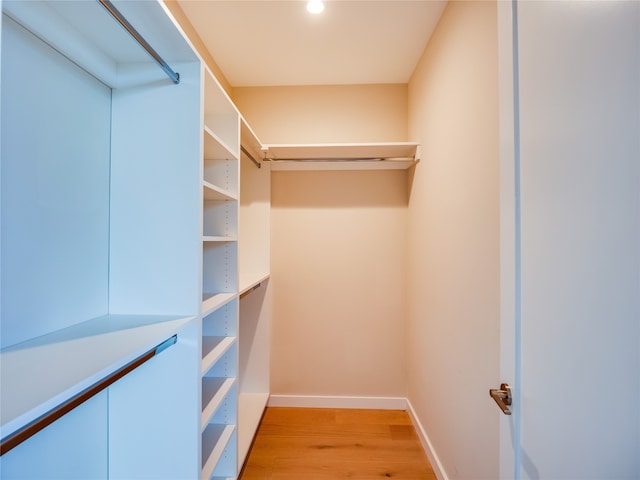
(502, 397)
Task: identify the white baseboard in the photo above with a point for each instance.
(436, 465)
(316, 401)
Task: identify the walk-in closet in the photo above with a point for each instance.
(189, 236)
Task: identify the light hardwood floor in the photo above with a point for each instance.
(323, 443)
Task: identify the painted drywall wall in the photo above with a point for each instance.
(338, 272)
(338, 257)
(325, 114)
(453, 241)
(196, 41)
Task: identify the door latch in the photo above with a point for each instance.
(502, 397)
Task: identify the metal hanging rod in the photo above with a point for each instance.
(24, 433)
(246, 152)
(332, 159)
(113, 11)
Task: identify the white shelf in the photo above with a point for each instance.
(214, 440)
(213, 301)
(250, 409)
(250, 280)
(214, 391)
(42, 373)
(223, 174)
(219, 214)
(220, 115)
(212, 192)
(218, 238)
(215, 148)
(213, 348)
(344, 156)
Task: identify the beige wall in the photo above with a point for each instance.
(197, 42)
(338, 274)
(325, 114)
(338, 257)
(453, 273)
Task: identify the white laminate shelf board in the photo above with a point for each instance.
(213, 348)
(213, 301)
(214, 391)
(341, 150)
(219, 238)
(251, 280)
(343, 156)
(213, 192)
(215, 148)
(341, 165)
(42, 373)
(250, 409)
(214, 440)
(224, 175)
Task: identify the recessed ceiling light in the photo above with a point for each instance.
(315, 6)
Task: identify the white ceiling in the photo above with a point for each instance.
(274, 42)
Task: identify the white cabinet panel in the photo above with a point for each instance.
(101, 241)
(55, 189)
(73, 448)
(156, 405)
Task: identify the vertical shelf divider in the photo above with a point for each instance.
(255, 299)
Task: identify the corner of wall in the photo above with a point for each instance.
(452, 336)
(198, 44)
(432, 455)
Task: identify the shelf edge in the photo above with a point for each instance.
(249, 281)
(90, 332)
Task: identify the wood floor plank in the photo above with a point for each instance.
(321, 444)
(348, 416)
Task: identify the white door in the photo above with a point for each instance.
(571, 197)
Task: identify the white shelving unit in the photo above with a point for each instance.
(236, 210)
(343, 156)
(127, 207)
(211, 302)
(219, 369)
(101, 170)
(255, 306)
